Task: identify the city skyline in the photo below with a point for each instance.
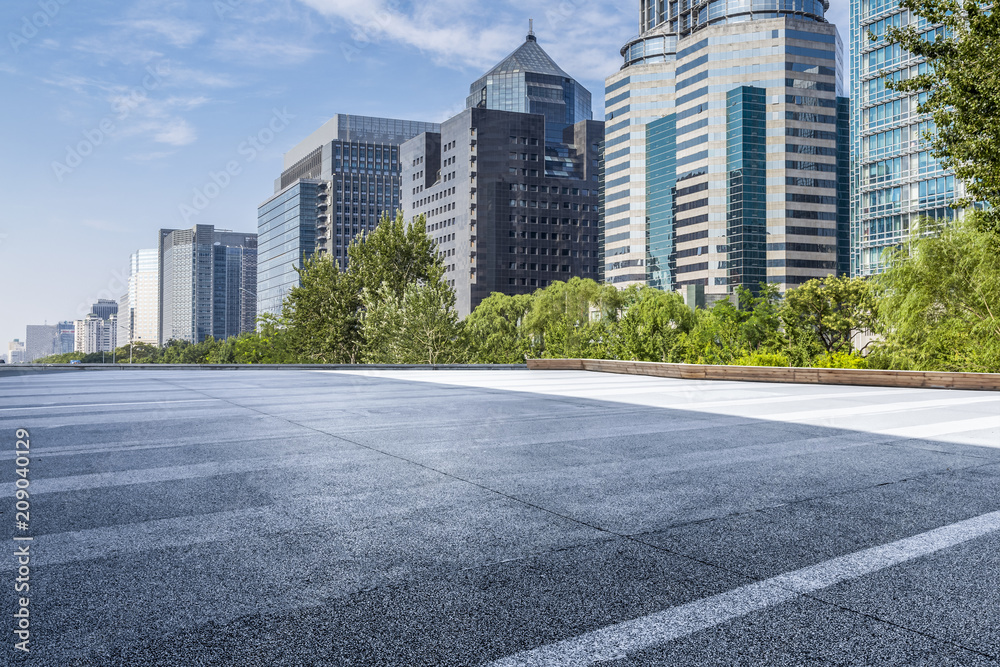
(191, 84)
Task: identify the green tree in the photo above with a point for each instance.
(494, 331)
(574, 319)
(321, 316)
(654, 327)
(963, 86)
(418, 327)
(394, 255)
(269, 344)
(830, 313)
(940, 304)
(730, 331)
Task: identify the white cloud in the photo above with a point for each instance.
(7, 68)
(178, 33)
(259, 50)
(583, 36)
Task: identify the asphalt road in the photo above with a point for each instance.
(499, 518)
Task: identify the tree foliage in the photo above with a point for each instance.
(962, 84)
(494, 333)
(940, 304)
(835, 310)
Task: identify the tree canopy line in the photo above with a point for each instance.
(937, 307)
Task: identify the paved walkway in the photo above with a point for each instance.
(504, 518)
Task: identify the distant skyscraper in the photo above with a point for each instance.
(895, 180)
(40, 341)
(510, 209)
(207, 283)
(726, 155)
(139, 311)
(337, 184)
(105, 308)
(67, 337)
(15, 352)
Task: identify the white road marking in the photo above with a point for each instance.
(617, 641)
(105, 405)
(708, 397)
(939, 429)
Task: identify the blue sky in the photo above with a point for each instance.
(119, 113)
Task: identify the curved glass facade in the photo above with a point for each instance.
(727, 151)
(679, 18)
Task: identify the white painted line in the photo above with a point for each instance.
(105, 480)
(617, 641)
(939, 429)
(883, 408)
(105, 405)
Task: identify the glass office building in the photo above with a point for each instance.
(207, 283)
(529, 81)
(510, 189)
(723, 145)
(895, 181)
(336, 184)
(286, 237)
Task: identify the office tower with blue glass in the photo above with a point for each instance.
(207, 284)
(510, 186)
(726, 157)
(336, 184)
(896, 181)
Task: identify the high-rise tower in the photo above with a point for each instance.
(726, 151)
(529, 81)
(895, 180)
(510, 186)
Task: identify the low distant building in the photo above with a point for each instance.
(15, 352)
(94, 334)
(67, 337)
(40, 341)
(98, 332)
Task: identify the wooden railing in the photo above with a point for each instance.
(864, 378)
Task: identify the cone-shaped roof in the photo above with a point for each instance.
(529, 57)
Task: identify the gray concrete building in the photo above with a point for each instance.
(41, 340)
(727, 150)
(207, 284)
(509, 209)
(337, 184)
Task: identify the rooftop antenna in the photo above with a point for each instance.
(531, 29)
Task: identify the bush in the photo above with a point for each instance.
(763, 359)
(840, 360)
